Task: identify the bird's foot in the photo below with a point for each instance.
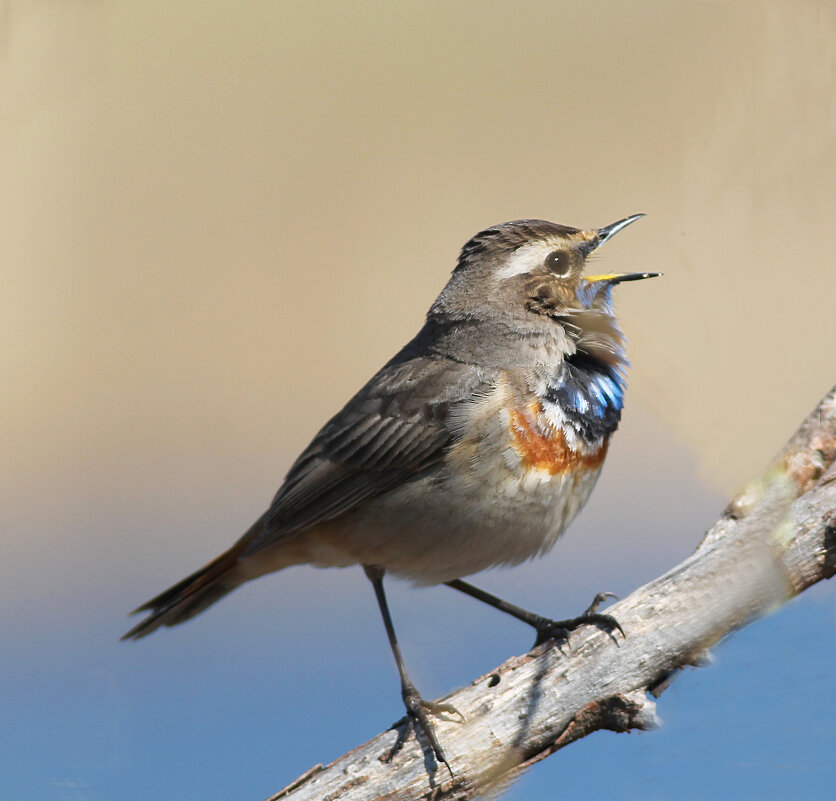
(419, 710)
(560, 629)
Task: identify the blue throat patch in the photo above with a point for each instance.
(590, 394)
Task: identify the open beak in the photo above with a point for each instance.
(619, 278)
(607, 232)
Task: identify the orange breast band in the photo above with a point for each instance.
(549, 451)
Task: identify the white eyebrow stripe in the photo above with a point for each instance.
(525, 258)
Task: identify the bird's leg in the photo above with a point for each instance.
(546, 628)
(416, 707)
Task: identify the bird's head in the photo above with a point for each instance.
(526, 273)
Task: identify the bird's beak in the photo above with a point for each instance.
(618, 278)
(606, 233)
(609, 231)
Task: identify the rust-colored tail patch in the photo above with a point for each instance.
(196, 592)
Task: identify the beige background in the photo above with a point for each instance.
(218, 220)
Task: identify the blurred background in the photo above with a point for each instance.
(217, 220)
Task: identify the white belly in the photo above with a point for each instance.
(431, 532)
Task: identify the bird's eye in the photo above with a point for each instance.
(558, 262)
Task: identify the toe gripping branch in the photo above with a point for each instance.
(546, 628)
(560, 629)
(417, 708)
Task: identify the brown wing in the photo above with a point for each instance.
(393, 429)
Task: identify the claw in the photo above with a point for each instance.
(417, 709)
(439, 708)
(607, 622)
(560, 629)
(597, 601)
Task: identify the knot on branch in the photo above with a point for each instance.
(617, 713)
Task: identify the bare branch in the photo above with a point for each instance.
(773, 541)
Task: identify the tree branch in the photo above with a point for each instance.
(773, 541)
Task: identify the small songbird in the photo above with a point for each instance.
(475, 446)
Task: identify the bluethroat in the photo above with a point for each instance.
(475, 446)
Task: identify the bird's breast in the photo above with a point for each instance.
(543, 444)
(507, 488)
(516, 433)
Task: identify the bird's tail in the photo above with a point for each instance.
(194, 593)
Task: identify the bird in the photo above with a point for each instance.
(474, 447)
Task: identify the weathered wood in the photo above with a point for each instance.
(774, 540)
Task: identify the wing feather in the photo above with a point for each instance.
(398, 425)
